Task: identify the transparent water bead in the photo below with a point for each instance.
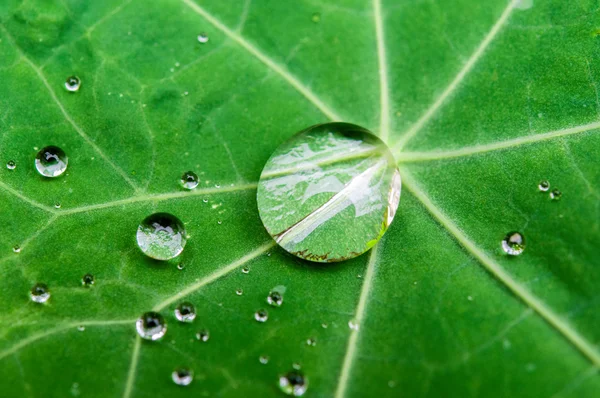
(185, 312)
(263, 359)
(203, 335)
(513, 243)
(161, 236)
(555, 194)
(293, 383)
(275, 298)
(261, 315)
(39, 293)
(544, 186)
(11, 165)
(72, 83)
(189, 180)
(329, 193)
(182, 376)
(51, 161)
(203, 38)
(87, 280)
(151, 326)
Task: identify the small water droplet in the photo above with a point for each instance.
(72, 83)
(57, 205)
(151, 326)
(470, 298)
(219, 222)
(391, 384)
(316, 17)
(261, 315)
(39, 293)
(11, 165)
(293, 383)
(311, 342)
(180, 266)
(263, 359)
(185, 312)
(555, 194)
(268, 254)
(245, 270)
(205, 200)
(324, 325)
(81, 328)
(275, 298)
(203, 38)
(506, 344)
(513, 243)
(182, 376)
(296, 366)
(239, 292)
(203, 335)
(87, 280)
(189, 180)
(17, 249)
(352, 324)
(51, 161)
(544, 186)
(161, 236)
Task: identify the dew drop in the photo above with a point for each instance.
(239, 292)
(87, 280)
(203, 38)
(180, 266)
(72, 83)
(328, 177)
(245, 270)
(57, 205)
(205, 200)
(263, 359)
(293, 383)
(189, 180)
(17, 249)
(161, 236)
(324, 325)
(513, 243)
(39, 293)
(182, 376)
(203, 335)
(11, 165)
(296, 366)
(316, 17)
(544, 186)
(185, 312)
(275, 298)
(555, 194)
(311, 342)
(51, 161)
(81, 328)
(352, 324)
(261, 315)
(151, 326)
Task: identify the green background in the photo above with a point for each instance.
(479, 100)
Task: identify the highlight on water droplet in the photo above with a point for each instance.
(311, 342)
(72, 84)
(39, 293)
(185, 312)
(263, 359)
(275, 298)
(544, 186)
(180, 266)
(293, 383)
(189, 180)
(87, 280)
(203, 335)
(51, 161)
(17, 249)
(239, 292)
(329, 193)
(555, 194)
(81, 328)
(203, 37)
(161, 236)
(245, 270)
(151, 326)
(11, 165)
(57, 205)
(182, 376)
(261, 315)
(513, 243)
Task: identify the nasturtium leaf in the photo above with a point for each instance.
(480, 101)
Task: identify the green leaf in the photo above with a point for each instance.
(479, 101)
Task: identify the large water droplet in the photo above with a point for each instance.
(185, 312)
(329, 193)
(72, 83)
(555, 194)
(39, 293)
(11, 165)
(513, 243)
(87, 280)
(544, 186)
(161, 236)
(182, 376)
(203, 38)
(261, 315)
(51, 161)
(151, 326)
(189, 180)
(275, 298)
(203, 335)
(293, 383)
